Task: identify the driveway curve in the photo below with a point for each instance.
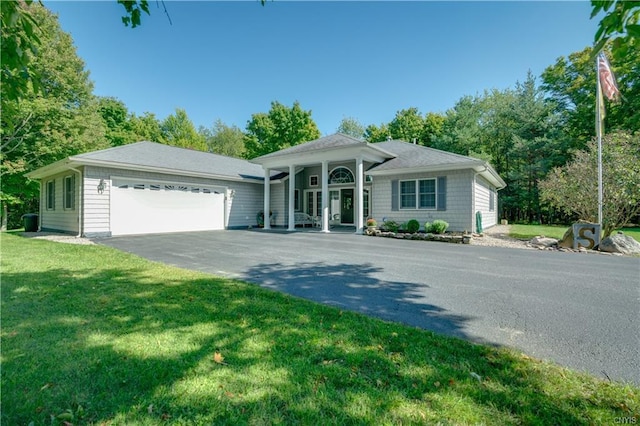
(578, 310)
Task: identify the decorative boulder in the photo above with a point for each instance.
(620, 243)
(542, 241)
(567, 239)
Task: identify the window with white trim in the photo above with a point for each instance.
(408, 194)
(69, 192)
(296, 200)
(418, 194)
(313, 202)
(341, 175)
(427, 194)
(313, 180)
(51, 195)
(492, 200)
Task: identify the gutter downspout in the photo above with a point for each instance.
(80, 203)
(473, 197)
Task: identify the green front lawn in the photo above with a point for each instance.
(91, 335)
(526, 232)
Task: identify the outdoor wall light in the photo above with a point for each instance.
(101, 186)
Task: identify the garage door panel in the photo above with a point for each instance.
(142, 211)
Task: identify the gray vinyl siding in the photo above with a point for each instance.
(241, 209)
(483, 190)
(459, 201)
(59, 218)
(96, 205)
(279, 207)
(245, 205)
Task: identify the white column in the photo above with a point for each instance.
(267, 198)
(292, 196)
(360, 195)
(325, 196)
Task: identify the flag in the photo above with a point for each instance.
(608, 83)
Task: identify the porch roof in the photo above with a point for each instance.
(336, 147)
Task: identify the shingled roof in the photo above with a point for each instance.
(164, 158)
(410, 156)
(413, 158)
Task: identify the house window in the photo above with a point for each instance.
(427, 194)
(420, 194)
(313, 180)
(296, 200)
(366, 202)
(492, 201)
(408, 194)
(51, 195)
(341, 175)
(313, 202)
(69, 193)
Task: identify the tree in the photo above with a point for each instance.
(518, 132)
(280, 128)
(619, 24)
(224, 140)
(56, 121)
(117, 121)
(461, 127)
(179, 130)
(20, 41)
(408, 125)
(571, 84)
(134, 9)
(536, 146)
(573, 187)
(375, 133)
(352, 127)
(146, 128)
(433, 123)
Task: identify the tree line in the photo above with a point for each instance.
(527, 132)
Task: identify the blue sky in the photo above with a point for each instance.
(366, 60)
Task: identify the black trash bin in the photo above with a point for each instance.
(30, 222)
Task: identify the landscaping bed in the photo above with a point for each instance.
(449, 237)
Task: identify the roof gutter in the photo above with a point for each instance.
(88, 162)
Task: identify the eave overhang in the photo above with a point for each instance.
(66, 164)
(365, 151)
(480, 167)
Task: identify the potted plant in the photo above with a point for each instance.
(260, 218)
(371, 223)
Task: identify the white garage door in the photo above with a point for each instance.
(157, 207)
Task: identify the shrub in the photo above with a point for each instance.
(437, 227)
(391, 225)
(372, 222)
(413, 226)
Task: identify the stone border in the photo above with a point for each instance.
(420, 236)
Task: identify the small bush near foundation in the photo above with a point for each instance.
(391, 225)
(413, 226)
(437, 227)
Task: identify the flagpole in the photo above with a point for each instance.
(599, 131)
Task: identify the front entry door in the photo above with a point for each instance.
(346, 210)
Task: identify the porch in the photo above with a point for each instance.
(326, 180)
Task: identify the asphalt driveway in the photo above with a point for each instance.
(579, 310)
